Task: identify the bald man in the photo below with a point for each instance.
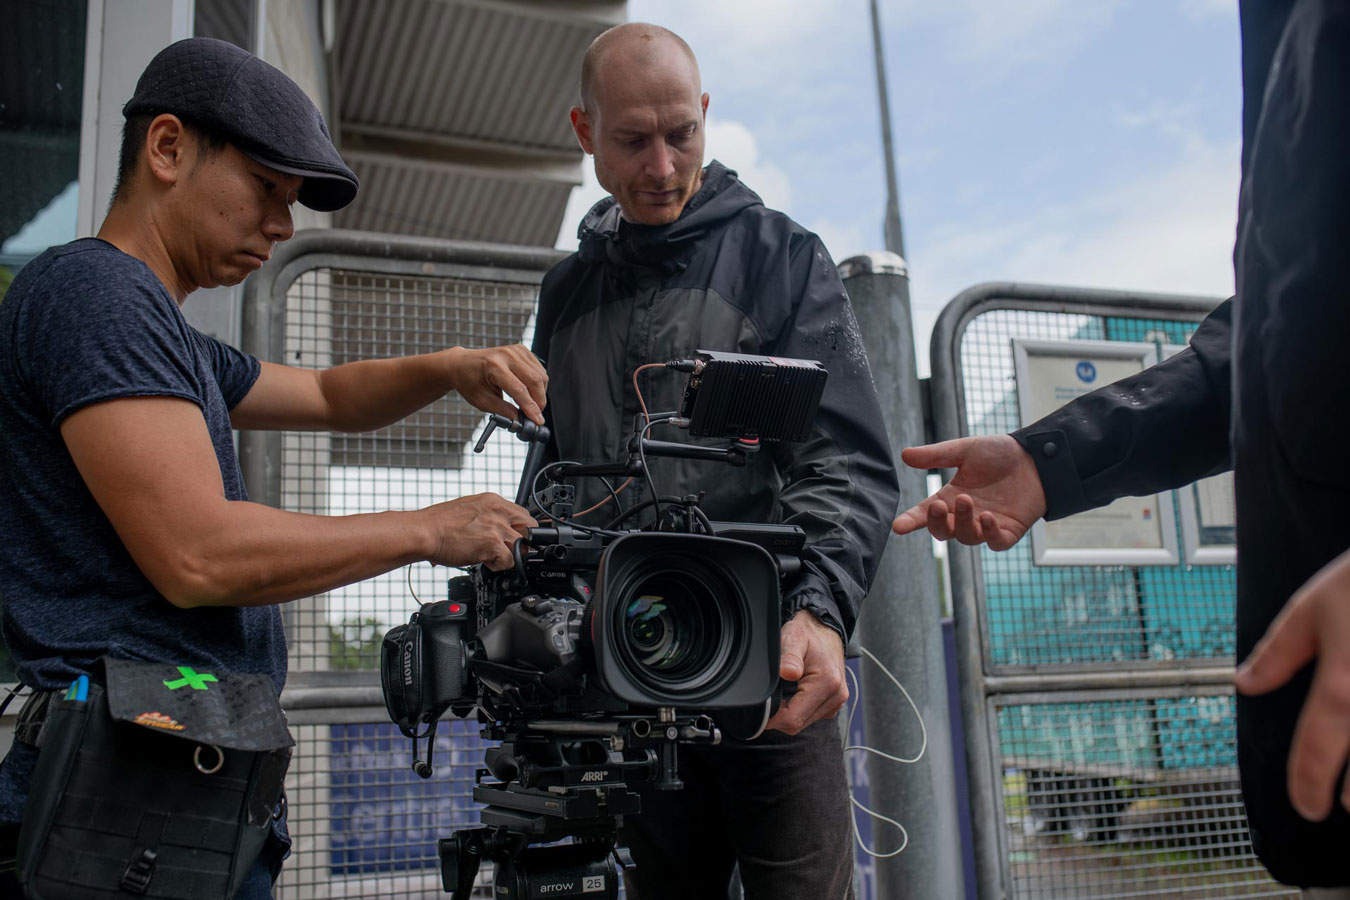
(684, 257)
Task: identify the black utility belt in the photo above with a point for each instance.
(151, 780)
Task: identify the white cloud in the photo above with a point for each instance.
(1203, 9)
(1032, 30)
(842, 239)
(734, 144)
(1169, 231)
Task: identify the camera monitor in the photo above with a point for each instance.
(743, 397)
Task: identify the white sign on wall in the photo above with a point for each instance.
(1208, 514)
(1136, 531)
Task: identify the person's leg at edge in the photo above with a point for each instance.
(679, 843)
(789, 814)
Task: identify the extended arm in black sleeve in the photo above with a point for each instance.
(1160, 429)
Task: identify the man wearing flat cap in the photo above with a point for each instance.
(127, 532)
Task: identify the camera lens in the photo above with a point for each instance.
(661, 638)
(678, 627)
(649, 627)
(684, 620)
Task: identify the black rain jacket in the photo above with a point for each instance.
(729, 274)
(1275, 356)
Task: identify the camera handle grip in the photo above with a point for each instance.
(461, 855)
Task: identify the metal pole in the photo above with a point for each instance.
(901, 622)
(895, 238)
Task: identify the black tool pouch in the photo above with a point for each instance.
(160, 783)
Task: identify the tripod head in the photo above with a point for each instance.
(558, 779)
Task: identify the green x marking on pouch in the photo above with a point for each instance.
(190, 679)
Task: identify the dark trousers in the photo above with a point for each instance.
(778, 806)
(9, 841)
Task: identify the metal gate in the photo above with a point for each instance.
(364, 824)
(1097, 700)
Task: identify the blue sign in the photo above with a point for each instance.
(384, 817)
(1087, 372)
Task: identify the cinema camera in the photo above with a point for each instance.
(605, 648)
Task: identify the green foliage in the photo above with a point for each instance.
(355, 643)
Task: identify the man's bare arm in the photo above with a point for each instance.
(150, 465)
(369, 394)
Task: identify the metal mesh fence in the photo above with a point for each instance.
(1116, 797)
(364, 824)
(337, 316)
(1071, 616)
(1110, 793)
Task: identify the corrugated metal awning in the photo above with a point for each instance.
(454, 113)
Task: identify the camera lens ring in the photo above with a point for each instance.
(694, 647)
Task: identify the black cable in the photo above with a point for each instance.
(613, 494)
(518, 560)
(647, 473)
(636, 508)
(534, 496)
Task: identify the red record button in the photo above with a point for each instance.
(456, 608)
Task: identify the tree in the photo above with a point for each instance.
(355, 643)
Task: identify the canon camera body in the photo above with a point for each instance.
(597, 624)
(682, 614)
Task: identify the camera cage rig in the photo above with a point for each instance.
(554, 779)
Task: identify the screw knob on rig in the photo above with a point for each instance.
(520, 426)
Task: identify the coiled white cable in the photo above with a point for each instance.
(853, 709)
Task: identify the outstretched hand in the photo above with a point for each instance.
(993, 499)
(1314, 625)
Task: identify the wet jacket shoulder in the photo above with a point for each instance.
(729, 274)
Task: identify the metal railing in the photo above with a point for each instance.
(1097, 700)
(364, 825)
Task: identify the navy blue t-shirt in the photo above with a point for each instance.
(82, 324)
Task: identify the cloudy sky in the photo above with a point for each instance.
(1039, 140)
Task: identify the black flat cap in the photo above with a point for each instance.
(256, 107)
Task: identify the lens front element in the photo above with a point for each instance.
(673, 625)
(679, 626)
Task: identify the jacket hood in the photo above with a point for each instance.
(606, 238)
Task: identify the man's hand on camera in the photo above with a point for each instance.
(993, 498)
(482, 376)
(813, 656)
(477, 529)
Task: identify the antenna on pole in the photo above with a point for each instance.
(895, 239)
